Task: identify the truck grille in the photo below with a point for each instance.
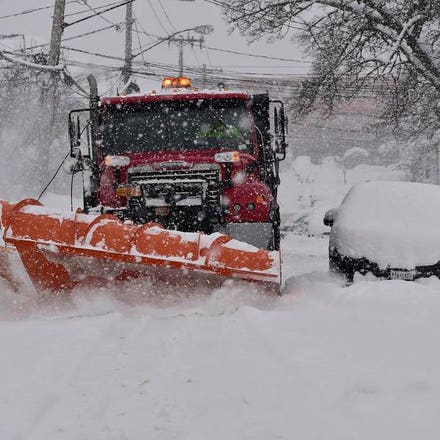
(210, 175)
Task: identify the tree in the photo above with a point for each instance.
(378, 46)
(26, 158)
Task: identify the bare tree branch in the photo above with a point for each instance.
(394, 43)
(35, 66)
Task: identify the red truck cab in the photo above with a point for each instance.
(191, 160)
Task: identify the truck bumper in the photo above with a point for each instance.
(259, 234)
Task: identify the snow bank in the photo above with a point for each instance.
(392, 223)
(328, 363)
(307, 190)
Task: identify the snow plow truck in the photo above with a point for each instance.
(178, 185)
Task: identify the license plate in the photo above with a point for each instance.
(407, 275)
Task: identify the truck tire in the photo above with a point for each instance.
(275, 219)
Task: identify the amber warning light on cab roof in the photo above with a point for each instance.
(177, 82)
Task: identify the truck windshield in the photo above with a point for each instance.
(184, 125)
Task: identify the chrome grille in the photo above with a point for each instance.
(210, 175)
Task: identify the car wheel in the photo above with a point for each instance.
(341, 267)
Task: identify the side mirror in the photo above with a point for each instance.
(279, 129)
(280, 146)
(329, 217)
(74, 136)
(276, 122)
(79, 132)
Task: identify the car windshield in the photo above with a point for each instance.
(184, 125)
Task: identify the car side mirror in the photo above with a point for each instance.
(329, 217)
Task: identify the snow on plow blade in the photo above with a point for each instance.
(61, 251)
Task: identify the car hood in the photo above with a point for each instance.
(394, 224)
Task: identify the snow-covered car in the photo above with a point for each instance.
(389, 229)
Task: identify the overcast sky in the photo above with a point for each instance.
(156, 17)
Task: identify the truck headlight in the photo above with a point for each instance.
(227, 157)
(117, 161)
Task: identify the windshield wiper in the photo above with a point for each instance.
(228, 127)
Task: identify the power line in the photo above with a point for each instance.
(248, 54)
(85, 11)
(168, 67)
(7, 46)
(167, 17)
(138, 38)
(139, 41)
(112, 26)
(149, 34)
(261, 81)
(85, 34)
(30, 11)
(143, 31)
(195, 56)
(235, 52)
(241, 83)
(208, 57)
(110, 57)
(173, 66)
(157, 17)
(98, 14)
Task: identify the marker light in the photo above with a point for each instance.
(260, 199)
(227, 157)
(117, 161)
(183, 81)
(128, 191)
(167, 83)
(176, 82)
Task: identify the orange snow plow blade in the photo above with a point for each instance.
(61, 251)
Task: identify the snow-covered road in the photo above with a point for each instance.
(320, 362)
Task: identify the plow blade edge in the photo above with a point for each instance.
(61, 251)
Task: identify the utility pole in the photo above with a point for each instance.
(54, 52)
(204, 77)
(57, 32)
(127, 70)
(50, 95)
(181, 41)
